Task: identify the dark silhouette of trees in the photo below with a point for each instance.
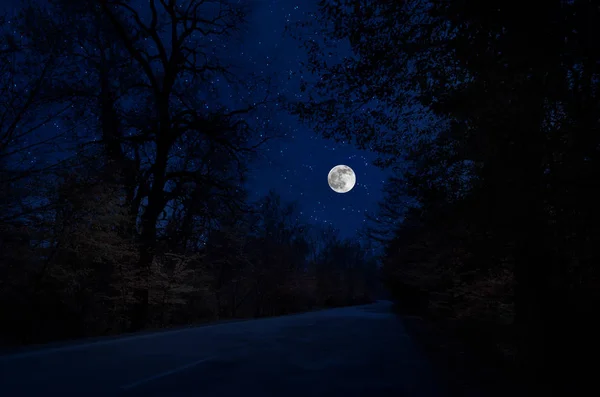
(149, 84)
(495, 110)
(267, 263)
(140, 219)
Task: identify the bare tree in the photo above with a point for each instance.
(27, 137)
(175, 49)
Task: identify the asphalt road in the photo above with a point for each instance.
(357, 351)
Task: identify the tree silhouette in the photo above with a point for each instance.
(485, 102)
(150, 91)
(139, 218)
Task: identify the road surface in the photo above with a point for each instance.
(357, 351)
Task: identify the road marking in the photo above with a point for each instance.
(164, 374)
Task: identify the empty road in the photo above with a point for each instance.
(360, 351)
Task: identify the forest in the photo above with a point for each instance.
(122, 180)
(486, 113)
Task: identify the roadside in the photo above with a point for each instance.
(463, 374)
(7, 349)
(348, 351)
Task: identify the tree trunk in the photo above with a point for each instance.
(139, 317)
(536, 302)
(148, 235)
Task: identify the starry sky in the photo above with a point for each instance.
(296, 166)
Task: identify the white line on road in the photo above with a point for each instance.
(163, 374)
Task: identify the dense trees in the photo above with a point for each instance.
(495, 109)
(140, 219)
(125, 138)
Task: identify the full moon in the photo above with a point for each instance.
(341, 179)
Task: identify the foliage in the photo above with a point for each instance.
(144, 221)
(493, 110)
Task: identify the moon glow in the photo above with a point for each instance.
(341, 179)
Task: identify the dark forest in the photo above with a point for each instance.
(135, 213)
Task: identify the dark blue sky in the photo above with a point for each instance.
(296, 166)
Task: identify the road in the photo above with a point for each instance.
(355, 351)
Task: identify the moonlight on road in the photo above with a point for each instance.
(341, 179)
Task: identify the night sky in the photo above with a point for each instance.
(297, 165)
